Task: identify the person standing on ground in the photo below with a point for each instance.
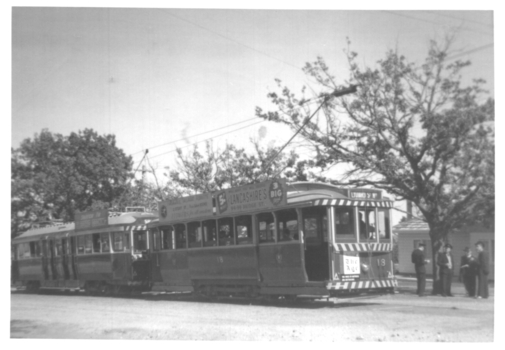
(483, 271)
(446, 263)
(468, 272)
(419, 262)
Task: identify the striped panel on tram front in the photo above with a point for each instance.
(135, 227)
(362, 284)
(353, 203)
(364, 247)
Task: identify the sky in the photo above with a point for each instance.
(160, 78)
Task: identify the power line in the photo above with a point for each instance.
(428, 21)
(203, 133)
(210, 138)
(231, 39)
(458, 18)
(480, 48)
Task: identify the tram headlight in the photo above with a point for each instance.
(364, 267)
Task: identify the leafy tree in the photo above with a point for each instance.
(55, 175)
(214, 169)
(411, 129)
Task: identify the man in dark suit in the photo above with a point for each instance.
(446, 263)
(483, 271)
(468, 272)
(419, 262)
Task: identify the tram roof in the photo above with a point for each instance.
(62, 229)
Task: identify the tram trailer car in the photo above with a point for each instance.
(274, 239)
(101, 252)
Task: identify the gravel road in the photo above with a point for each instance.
(399, 317)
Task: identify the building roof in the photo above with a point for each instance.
(413, 224)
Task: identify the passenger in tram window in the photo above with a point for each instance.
(105, 243)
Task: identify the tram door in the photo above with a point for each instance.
(73, 251)
(65, 258)
(315, 228)
(45, 258)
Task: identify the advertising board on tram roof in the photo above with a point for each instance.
(260, 196)
(91, 219)
(186, 208)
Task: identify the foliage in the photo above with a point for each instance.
(214, 169)
(55, 175)
(412, 130)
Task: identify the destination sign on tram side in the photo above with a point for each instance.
(261, 196)
(186, 208)
(91, 219)
(365, 194)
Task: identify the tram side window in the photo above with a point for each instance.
(104, 242)
(96, 242)
(117, 243)
(180, 236)
(126, 241)
(209, 233)
(383, 224)
(167, 237)
(23, 251)
(344, 223)
(287, 225)
(57, 247)
(367, 230)
(226, 232)
(266, 227)
(34, 249)
(156, 238)
(194, 234)
(315, 225)
(80, 244)
(139, 241)
(88, 248)
(243, 225)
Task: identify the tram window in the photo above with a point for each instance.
(315, 225)
(88, 248)
(194, 234)
(226, 232)
(104, 242)
(34, 249)
(383, 224)
(209, 233)
(96, 242)
(180, 236)
(243, 226)
(57, 247)
(139, 241)
(126, 241)
(266, 227)
(167, 237)
(156, 239)
(23, 251)
(117, 243)
(344, 223)
(367, 224)
(287, 225)
(80, 245)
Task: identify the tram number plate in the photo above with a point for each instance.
(351, 265)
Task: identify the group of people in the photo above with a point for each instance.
(474, 271)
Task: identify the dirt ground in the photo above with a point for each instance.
(392, 318)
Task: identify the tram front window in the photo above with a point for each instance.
(139, 241)
(344, 224)
(367, 225)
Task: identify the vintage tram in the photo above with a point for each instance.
(101, 252)
(271, 239)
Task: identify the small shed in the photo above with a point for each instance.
(412, 231)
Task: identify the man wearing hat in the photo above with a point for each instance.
(446, 264)
(419, 262)
(483, 271)
(468, 271)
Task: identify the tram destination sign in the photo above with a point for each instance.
(91, 219)
(261, 196)
(186, 208)
(365, 194)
